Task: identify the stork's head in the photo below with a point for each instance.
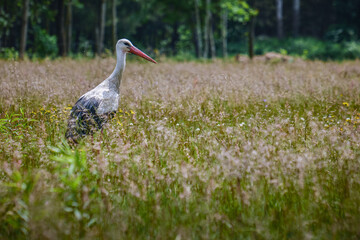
(124, 45)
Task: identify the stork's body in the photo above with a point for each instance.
(95, 107)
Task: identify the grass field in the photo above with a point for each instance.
(197, 151)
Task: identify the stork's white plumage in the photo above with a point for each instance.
(95, 107)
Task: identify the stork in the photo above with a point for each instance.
(96, 107)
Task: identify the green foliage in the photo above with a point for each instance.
(14, 201)
(6, 21)
(184, 57)
(340, 33)
(352, 49)
(44, 44)
(239, 10)
(79, 188)
(9, 53)
(16, 124)
(307, 48)
(85, 48)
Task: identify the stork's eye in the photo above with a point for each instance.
(127, 44)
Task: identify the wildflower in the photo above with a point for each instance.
(131, 124)
(348, 119)
(132, 112)
(242, 124)
(198, 129)
(120, 111)
(346, 104)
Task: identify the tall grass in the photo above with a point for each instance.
(196, 151)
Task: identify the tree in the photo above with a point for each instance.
(251, 34)
(198, 30)
(296, 17)
(212, 38)
(114, 24)
(101, 32)
(206, 29)
(68, 26)
(209, 33)
(224, 20)
(62, 42)
(279, 18)
(241, 12)
(24, 28)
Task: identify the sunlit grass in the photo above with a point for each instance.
(196, 151)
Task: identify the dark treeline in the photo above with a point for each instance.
(204, 28)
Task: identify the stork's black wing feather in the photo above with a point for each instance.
(83, 118)
(85, 109)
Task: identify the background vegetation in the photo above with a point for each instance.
(192, 28)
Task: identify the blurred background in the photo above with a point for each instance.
(183, 30)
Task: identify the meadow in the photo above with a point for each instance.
(218, 150)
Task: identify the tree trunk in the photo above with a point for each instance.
(224, 19)
(251, 37)
(251, 34)
(212, 41)
(68, 26)
(198, 30)
(174, 38)
(207, 29)
(97, 40)
(296, 19)
(24, 28)
(114, 24)
(102, 27)
(279, 18)
(210, 29)
(63, 48)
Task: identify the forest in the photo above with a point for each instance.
(186, 29)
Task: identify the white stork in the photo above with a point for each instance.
(95, 107)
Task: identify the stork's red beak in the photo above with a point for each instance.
(138, 52)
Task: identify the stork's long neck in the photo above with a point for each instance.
(115, 77)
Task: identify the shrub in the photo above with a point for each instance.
(44, 44)
(308, 48)
(9, 53)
